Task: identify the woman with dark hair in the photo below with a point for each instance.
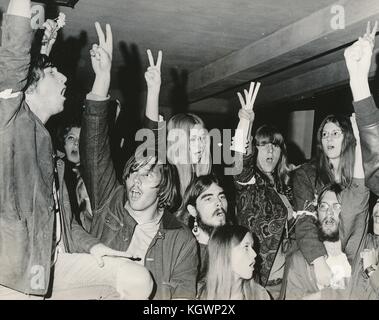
(231, 266)
(338, 160)
(263, 193)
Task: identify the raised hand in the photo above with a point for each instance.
(49, 36)
(358, 171)
(358, 55)
(153, 73)
(101, 54)
(250, 96)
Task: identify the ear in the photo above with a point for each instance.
(191, 210)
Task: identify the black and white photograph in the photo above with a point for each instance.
(215, 152)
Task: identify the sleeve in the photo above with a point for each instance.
(297, 284)
(248, 169)
(14, 65)
(368, 125)
(84, 241)
(185, 270)
(98, 170)
(305, 228)
(354, 218)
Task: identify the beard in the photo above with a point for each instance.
(207, 228)
(331, 236)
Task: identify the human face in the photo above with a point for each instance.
(197, 142)
(212, 206)
(71, 145)
(332, 137)
(243, 258)
(328, 213)
(51, 88)
(142, 187)
(268, 156)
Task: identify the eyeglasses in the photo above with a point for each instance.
(333, 135)
(72, 139)
(324, 207)
(268, 145)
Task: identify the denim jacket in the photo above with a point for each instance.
(26, 176)
(172, 255)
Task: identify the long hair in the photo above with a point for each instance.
(187, 171)
(37, 65)
(346, 165)
(270, 134)
(193, 191)
(167, 188)
(220, 276)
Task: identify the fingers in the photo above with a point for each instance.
(99, 260)
(150, 57)
(251, 90)
(374, 30)
(242, 102)
(109, 40)
(159, 60)
(368, 28)
(100, 34)
(255, 93)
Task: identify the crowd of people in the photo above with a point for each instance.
(71, 229)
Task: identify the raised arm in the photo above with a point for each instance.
(14, 58)
(241, 143)
(19, 8)
(358, 61)
(98, 170)
(153, 81)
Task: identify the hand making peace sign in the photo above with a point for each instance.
(153, 73)
(358, 55)
(101, 54)
(247, 104)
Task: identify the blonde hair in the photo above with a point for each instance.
(186, 169)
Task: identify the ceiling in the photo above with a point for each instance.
(213, 48)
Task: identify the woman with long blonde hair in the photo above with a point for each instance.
(188, 146)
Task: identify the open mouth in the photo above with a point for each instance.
(135, 194)
(219, 213)
(329, 223)
(269, 159)
(330, 147)
(63, 91)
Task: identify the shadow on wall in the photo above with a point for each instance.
(178, 96)
(132, 85)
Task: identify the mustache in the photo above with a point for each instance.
(219, 210)
(328, 219)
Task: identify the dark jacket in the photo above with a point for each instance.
(354, 215)
(26, 174)
(260, 208)
(368, 125)
(172, 254)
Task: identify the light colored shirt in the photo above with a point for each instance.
(142, 237)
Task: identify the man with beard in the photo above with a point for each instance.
(301, 279)
(203, 209)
